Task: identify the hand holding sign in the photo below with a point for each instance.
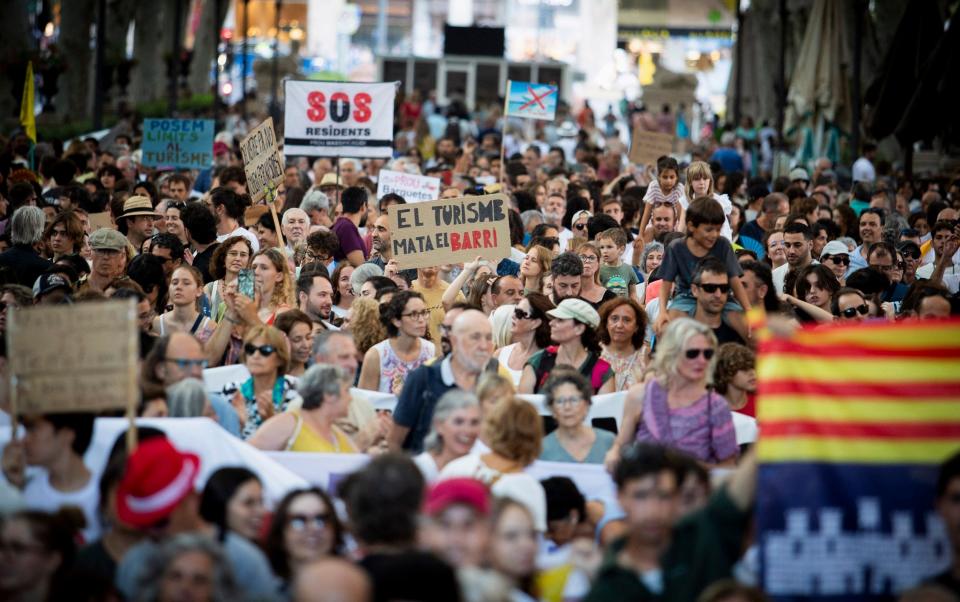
(450, 230)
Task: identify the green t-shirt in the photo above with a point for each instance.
(704, 548)
(618, 279)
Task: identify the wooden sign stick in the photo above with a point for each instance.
(271, 198)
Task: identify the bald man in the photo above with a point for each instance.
(471, 342)
(332, 580)
(294, 226)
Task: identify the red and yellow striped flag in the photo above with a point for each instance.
(884, 392)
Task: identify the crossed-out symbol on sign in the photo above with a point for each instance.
(537, 99)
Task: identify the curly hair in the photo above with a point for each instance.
(731, 358)
(218, 261)
(365, 324)
(393, 310)
(564, 375)
(224, 586)
(639, 314)
(513, 428)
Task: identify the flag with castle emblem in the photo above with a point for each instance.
(854, 422)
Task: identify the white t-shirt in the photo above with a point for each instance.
(428, 466)
(241, 231)
(40, 495)
(780, 275)
(518, 486)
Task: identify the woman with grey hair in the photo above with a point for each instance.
(189, 566)
(317, 206)
(650, 259)
(361, 274)
(325, 391)
(22, 261)
(455, 428)
(188, 399)
(675, 407)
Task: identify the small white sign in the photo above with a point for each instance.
(411, 187)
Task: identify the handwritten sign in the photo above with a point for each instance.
(262, 161)
(411, 187)
(74, 358)
(184, 143)
(450, 230)
(646, 147)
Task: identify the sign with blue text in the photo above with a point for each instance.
(532, 101)
(181, 143)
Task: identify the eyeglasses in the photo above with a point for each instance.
(588, 258)
(851, 312)
(693, 353)
(265, 350)
(712, 288)
(300, 522)
(188, 364)
(838, 259)
(522, 315)
(417, 315)
(567, 401)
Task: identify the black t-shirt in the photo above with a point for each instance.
(202, 262)
(725, 334)
(411, 575)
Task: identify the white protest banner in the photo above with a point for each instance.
(412, 187)
(262, 161)
(74, 358)
(339, 119)
(450, 230)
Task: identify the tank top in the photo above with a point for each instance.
(199, 329)
(393, 370)
(305, 439)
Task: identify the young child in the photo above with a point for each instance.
(704, 219)
(615, 275)
(700, 183)
(666, 189)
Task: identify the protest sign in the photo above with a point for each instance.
(339, 119)
(855, 421)
(262, 161)
(182, 143)
(450, 230)
(100, 220)
(411, 187)
(646, 147)
(531, 101)
(74, 358)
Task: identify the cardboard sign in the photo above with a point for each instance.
(532, 101)
(262, 161)
(411, 187)
(339, 119)
(100, 220)
(450, 230)
(183, 143)
(74, 358)
(646, 147)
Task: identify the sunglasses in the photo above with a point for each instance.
(265, 350)
(299, 522)
(712, 288)
(579, 226)
(693, 353)
(851, 312)
(838, 259)
(522, 315)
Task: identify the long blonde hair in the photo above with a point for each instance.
(699, 170)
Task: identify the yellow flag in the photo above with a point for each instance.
(27, 119)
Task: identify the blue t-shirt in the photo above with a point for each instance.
(679, 264)
(419, 397)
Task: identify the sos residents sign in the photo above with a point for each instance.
(450, 230)
(338, 119)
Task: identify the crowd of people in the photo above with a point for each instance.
(621, 278)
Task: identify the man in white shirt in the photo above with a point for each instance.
(798, 243)
(56, 443)
(863, 170)
(944, 244)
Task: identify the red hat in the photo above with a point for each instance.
(157, 478)
(220, 148)
(469, 492)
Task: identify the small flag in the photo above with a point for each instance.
(27, 119)
(854, 422)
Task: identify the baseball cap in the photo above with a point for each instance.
(834, 247)
(108, 238)
(799, 173)
(48, 283)
(157, 478)
(576, 309)
(909, 247)
(580, 214)
(468, 492)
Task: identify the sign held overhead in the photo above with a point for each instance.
(412, 187)
(450, 230)
(262, 160)
(532, 101)
(181, 143)
(646, 147)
